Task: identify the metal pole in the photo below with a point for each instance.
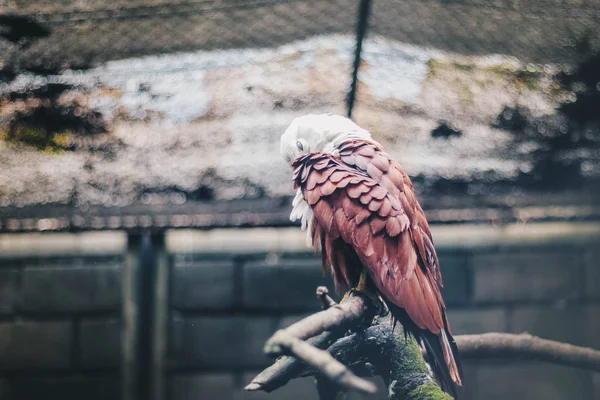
(160, 321)
(145, 283)
(145, 286)
(362, 24)
(129, 332)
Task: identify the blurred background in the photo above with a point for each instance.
(145, 245)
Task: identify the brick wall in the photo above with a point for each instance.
(224, 307)
(60, 327)
(61, 319)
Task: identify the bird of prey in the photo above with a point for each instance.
(359, 208)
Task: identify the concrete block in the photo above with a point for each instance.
(100, 343)
(592, 274)
(5, 389)
(471, 321)
(205, 386)
(522, 276)
(456, 277)
(469, 391)
(576, 324)
(291, 283)
(296, 389)
(531, 381)
(220, 342)
(596, 381)
(35, 345)
(203, 285)
(66, 388)
(88, 287)
(302, 389)
(9, 280)
(284, 285)
(591, 312)
(226, 386)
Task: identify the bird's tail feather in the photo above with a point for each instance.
(443, 364)
(441, 350)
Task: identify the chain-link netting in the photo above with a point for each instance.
(485, 96)
(82, 34)
(537, 30)
(513, 86)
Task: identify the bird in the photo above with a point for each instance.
(359, 208)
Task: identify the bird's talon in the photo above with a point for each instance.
(346, 296)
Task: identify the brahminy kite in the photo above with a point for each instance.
(359, 208)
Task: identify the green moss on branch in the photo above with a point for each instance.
(427, 391)
(404, 370)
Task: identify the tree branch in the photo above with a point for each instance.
(525, 346)
(488, 346)
(377, 349)
(287, 367)
(336, 318)
(356, 311)
(322, 361)
(324, 299)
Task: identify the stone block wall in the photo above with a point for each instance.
(224, 307)
(60, 327)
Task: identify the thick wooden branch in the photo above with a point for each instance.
(526, 347)
(336, 318)
(352, 313)
(376, 349)
(287, 367)
(380, 350)
(490, 346)
(323, 362)
(329, 325)
(324, 299)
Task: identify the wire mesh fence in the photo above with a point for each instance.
(213, 69)
(78, 34)
(82, 34)
(536, 31)
(85, 32)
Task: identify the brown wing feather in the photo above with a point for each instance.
(390, 175)
(373, 210)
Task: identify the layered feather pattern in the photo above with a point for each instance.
(366, 215)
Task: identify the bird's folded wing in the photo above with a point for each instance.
(375, 162)
(352, 206)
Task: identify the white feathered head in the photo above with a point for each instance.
(318, 133)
